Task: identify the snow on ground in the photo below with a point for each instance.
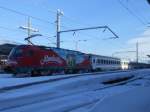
(58, 102)
(80, 94)
(6, 80)
(136, 100)
(9, 82)
(2, 75)
(79, 83)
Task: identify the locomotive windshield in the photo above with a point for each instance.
(15, 52)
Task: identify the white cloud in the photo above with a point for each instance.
(142, 38)
(144, 43)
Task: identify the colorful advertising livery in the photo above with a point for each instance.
(40, 59)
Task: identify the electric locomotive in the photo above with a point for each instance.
(35, 60)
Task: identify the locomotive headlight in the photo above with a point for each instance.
(11, 62)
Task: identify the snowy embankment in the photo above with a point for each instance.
(78, 94)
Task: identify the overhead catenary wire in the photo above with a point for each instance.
(9, 29)
(75, 21)
(27, 15)
(2, 41)
(137, 10)
(79, 23)
(131, 12)
(23, 14)
(72, 20)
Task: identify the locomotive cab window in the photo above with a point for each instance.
(18, 53)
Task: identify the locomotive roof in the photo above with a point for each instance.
(45, 47)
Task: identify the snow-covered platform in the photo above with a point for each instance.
(135, 100)
(76, 94)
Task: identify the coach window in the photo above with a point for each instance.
(112, 62)
(109, 61)
(104, 61)
(100, 61)
(116, 62)
(97, 61)
(93, 60)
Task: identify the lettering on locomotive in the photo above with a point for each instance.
(48, 59)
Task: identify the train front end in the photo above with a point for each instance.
(14, 59)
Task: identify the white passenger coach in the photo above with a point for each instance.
(105, 63)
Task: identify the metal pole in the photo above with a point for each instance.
(58, 29)
(137, 52)
(29, 28)
(76, 45)
(59, 13)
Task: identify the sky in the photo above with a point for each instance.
(129, 21)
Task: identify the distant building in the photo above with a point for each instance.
(135, 65)
(3, 59)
